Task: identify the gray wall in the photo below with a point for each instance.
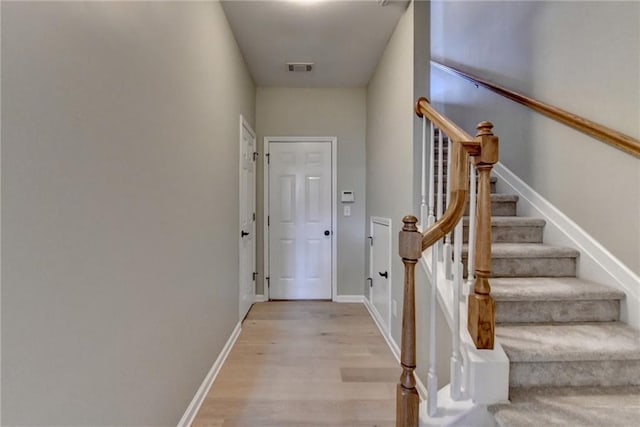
(580, 56)
(393, 153)
(339, 112)
(119, 207)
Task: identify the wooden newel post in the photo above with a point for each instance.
(408, 401)
(482, 307)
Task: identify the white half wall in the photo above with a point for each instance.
(119, 207)
(390, 144)
(393, 161)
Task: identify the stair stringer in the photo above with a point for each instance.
(595, 263)
(485, 372)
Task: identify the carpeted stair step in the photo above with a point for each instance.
(512, 229)
(554, 299)
(492, 180)
(529, 260)
(578, 354)
(501, 205)
(570, 406)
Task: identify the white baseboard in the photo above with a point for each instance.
(383, 330)
(349, 298)
(260, 298)
(196, 402)
(595, 263)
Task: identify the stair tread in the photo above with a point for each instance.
(527, 250)
(498, 197)
(569, 406)
(512, 221)
(569, 342)
(551, 289)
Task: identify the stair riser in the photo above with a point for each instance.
(557, 311)
(529, 234)
(492, 186)
(604, 373)
(530, 267)
(499, 208)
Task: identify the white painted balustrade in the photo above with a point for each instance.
(479, 370)
(446, 259)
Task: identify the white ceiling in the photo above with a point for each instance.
(344, 39)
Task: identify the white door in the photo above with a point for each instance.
(300, 228)
(380, 291)
(247, 230)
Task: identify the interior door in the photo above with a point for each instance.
(247, 231)
(300, 220)
(380, 294)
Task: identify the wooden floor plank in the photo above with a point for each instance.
(304, 364)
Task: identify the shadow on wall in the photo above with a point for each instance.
(462, 101)
(467, 106)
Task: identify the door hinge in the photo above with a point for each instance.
(268, 281)
(268, 220)
(268, 158)
(370, 240)
(254, 216)
(370, 280)
(255, 155)
(255, 275)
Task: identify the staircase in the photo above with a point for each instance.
(526, 323)
(572, 362)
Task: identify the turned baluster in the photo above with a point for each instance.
(408, 401)
(481, 306)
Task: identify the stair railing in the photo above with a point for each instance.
(598, 131)
(465, 156)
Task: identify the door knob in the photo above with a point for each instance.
(243, 233)
(327, 232)
(385, 274)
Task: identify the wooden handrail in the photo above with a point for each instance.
(600, 132)
(481, 317)
(424, 108)
(459, 191)
(459, 175)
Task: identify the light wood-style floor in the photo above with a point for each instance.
(301, 364)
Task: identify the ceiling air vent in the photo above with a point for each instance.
(300, 67)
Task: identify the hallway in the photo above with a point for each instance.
(305, 363)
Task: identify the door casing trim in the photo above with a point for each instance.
(334, 205)
(244, 124)
(387, 222)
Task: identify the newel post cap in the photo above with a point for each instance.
(410, 222)
(488, 144)
(410, 240)
(484, 128)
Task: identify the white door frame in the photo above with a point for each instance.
(334, 204)
(386, 222)
(244, 124)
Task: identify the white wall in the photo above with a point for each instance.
(339, 112)
(393, 153)
(119, 207)
(390, 143)
(580, 56)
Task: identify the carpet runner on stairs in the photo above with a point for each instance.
(572, 362)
